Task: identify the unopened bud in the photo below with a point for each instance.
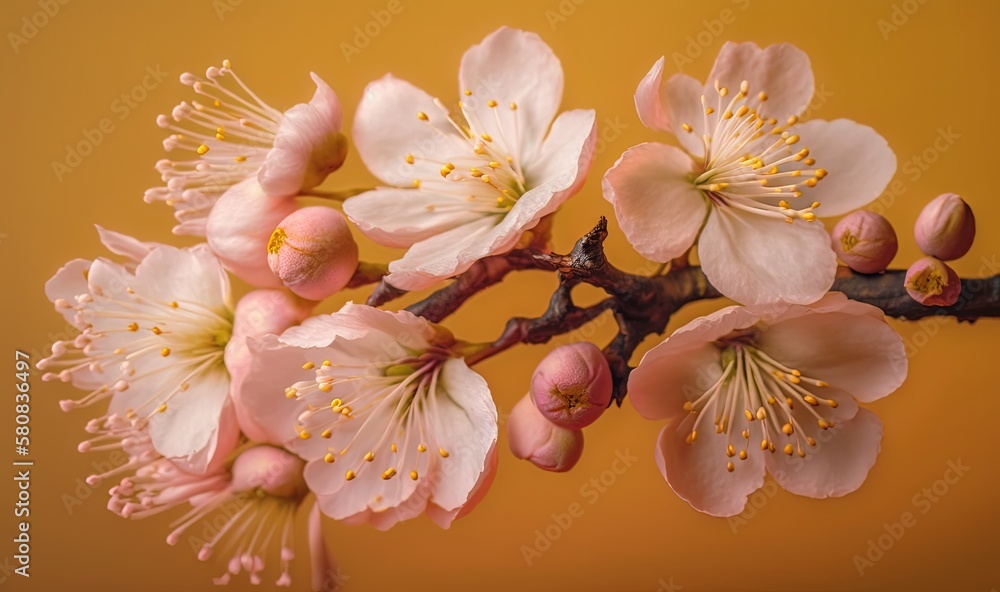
(274, 471)
(572, 385)
(945, 228)
(540, 441)
(931, 282)
(313, 253)
(865, 241)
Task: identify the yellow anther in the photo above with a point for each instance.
(410, 159)
(763, 444)
(334, 404)
(824, 423)
(161, 408)
(329, 458)
(350, 475)
(792, 120)
(414, 475)
(443, 452)
(791, 140)
(802, 453)
(394, 448)
(445, 171)
(727, 115)
(240, 158)
(370, 457)
(486, 137)
(784, 204)
(762, 96)
(691, 437)
(416, 183)
(485, 179)
(787, 429)
(165, 352)
(820, 173)
(389, 473)
(743, 110)
(202, 150)
(730, 451)
(345, 411)
(789, 449)
(421, 448)
(326, 387)
(422, 116)
(811, 182)
(811, 400)
(761, 414)
(808, 217)
(491, 103)
(748, 414)
(746, 434)
(305, 435)
(743, 454)
(513, 106)
(815, 205)
(723, 91)
(308, 366)
(832, 403)
(709, 110)
(688, 405)
(730, 466)
(810, 441)
(467, 92)
(687, 127)
(810, 161)
(327, 433)
(156, 330)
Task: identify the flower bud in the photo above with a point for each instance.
(275, 471)
(571, 386)
(931, 282)
(865, 241)
(313, 253)
(945, 228)
(540, 441)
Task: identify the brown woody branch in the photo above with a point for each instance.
(643, 305)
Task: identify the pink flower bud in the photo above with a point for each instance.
(275, 471)
(931, 282)
(540, 441)
(945, 228)
(865, 241)
(572, 385)
(313, 253)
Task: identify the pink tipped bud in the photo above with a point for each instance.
(313, 253)
(572, 385)
(931, 282)
(275, 471)
(540, 441)
(865, 241)
(945, 228)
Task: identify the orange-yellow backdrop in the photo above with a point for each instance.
(923, 72)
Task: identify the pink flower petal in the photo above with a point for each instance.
(444, 518)
(400, 217)
(386, 129)
(513, 66)
(782, 71)
(857, 159)
(697, 472)
(444, 255)
(659, 209)
(839, 463)
(121, 244)
(648, 103)
(669, 375)
(565, 158)
(681, 96)
(858, 353)
(755, 259)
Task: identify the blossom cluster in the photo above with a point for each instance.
(377, 416)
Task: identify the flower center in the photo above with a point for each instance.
(128, 331)
(394, 401)
(487, 177)
(758, 395)
(750, 162)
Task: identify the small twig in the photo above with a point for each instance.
(367, 273)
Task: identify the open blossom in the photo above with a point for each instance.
(232, 135)
(256, 498)
(468, 184)
(392, 421)
(750, 180)
(769, 389)
(152, 335)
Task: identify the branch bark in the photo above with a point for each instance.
(643, 305)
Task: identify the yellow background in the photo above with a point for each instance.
(937, 70)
